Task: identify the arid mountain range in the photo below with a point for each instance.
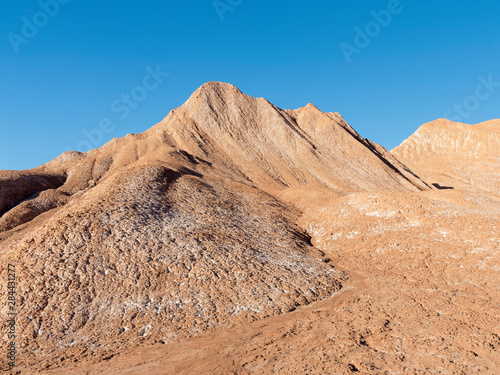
(235, 237)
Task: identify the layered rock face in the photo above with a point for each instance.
(237, 237)
(451, 154)
(277, 149)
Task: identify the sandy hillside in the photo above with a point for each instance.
(452, 154)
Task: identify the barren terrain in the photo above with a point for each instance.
(235, 237)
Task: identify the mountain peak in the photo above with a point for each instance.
(216, 87)
(277, 149)
(214, 92)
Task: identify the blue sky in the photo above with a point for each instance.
(67, 69)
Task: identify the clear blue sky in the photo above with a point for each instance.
(87, 54)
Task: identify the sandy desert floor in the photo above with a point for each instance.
(422, 298)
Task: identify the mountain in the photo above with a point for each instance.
(220, 131)
(237, 237)
(451, 154)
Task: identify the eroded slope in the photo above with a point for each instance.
(451, 154)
